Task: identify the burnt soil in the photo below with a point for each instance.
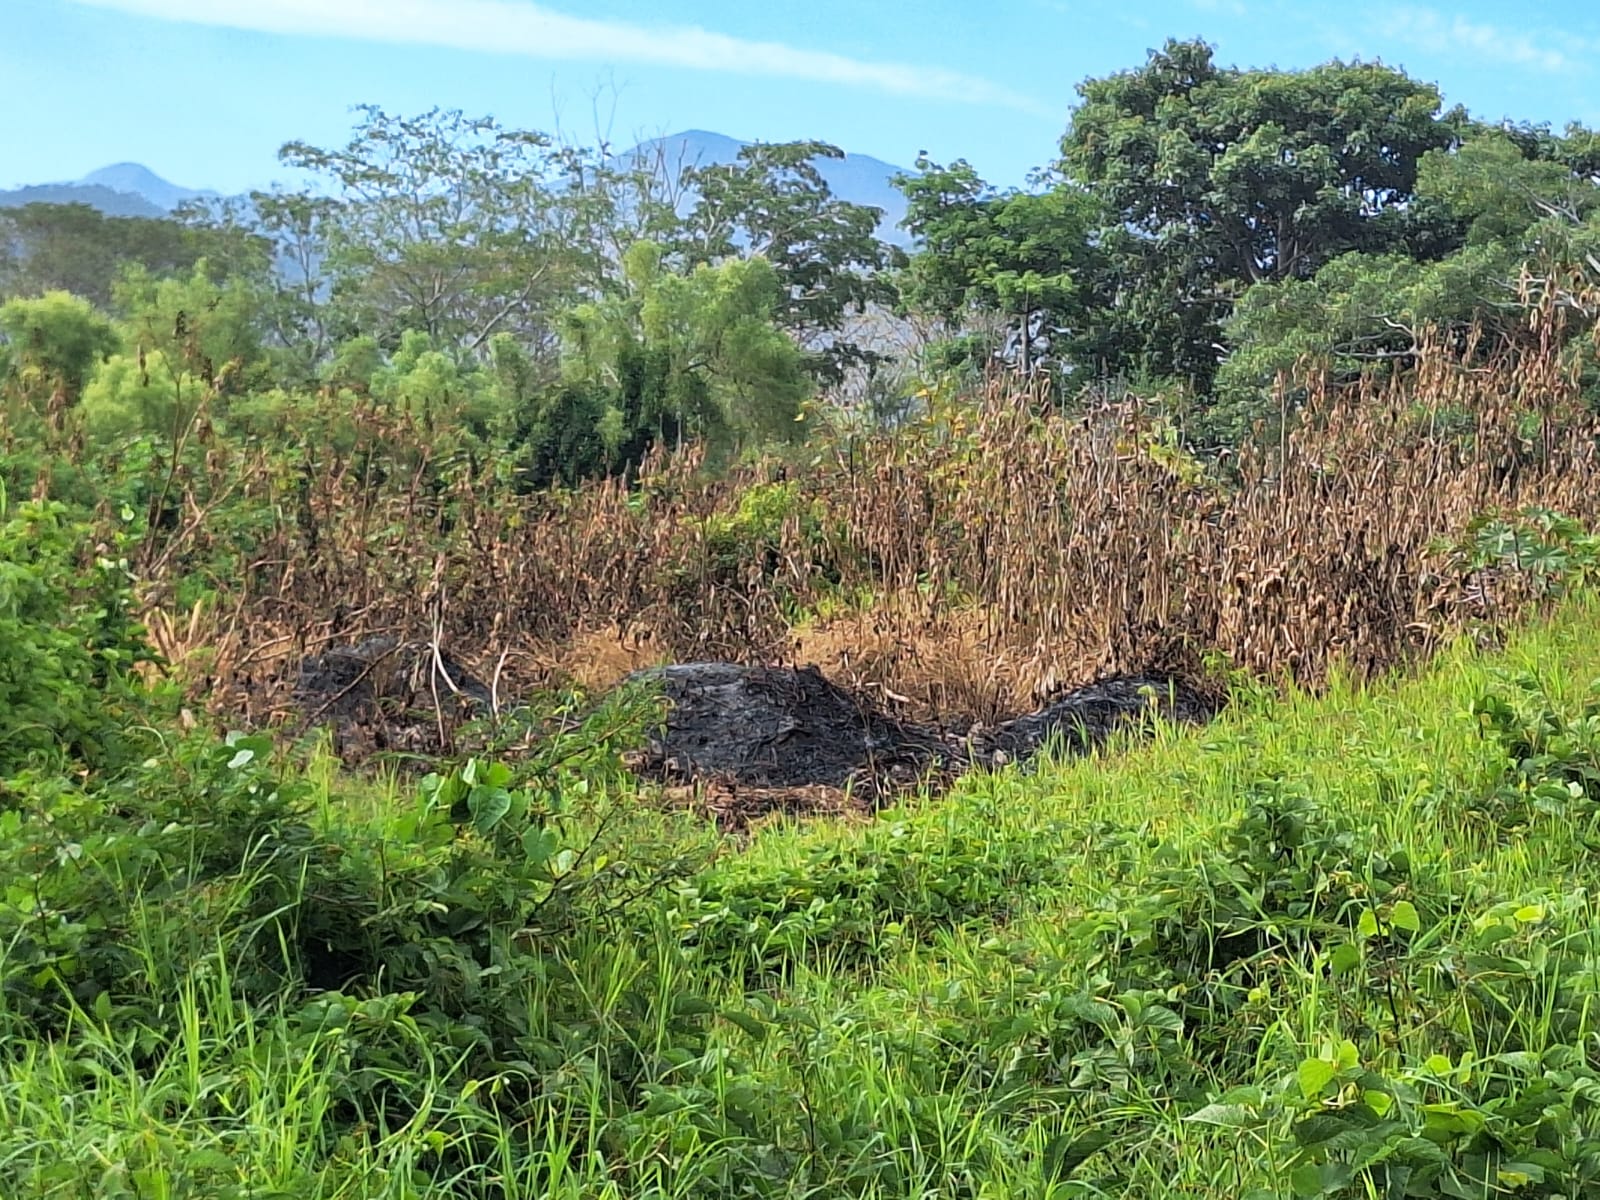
(384, 694)
(740, 742)
(776, 739)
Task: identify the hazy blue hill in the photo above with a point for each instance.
(120, 190)
(111, 202)
(139, 180)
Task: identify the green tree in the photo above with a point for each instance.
(55, 343)
(444, 224)
(589, 426)
(1362, 313)
(291, 275)
(74, 248)
(1500, 190)
(186, 343)
(151, 392)
(213, 327)
(1215, 179)
(825, 254)
(1522, 210)
(672, 358)
(430, 385)
(1027, 257)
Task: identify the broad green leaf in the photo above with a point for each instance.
(1404, 916)
(1345, 958)
(1520, 1174)
(538, 845)
(488, 806)
(1314, 1074)
(1066, 1153)
(1318, 1179)
(752, 1025)
(1228, 1116)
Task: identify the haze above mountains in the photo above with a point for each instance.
(132, 190)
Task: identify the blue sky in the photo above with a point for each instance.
(205, 91)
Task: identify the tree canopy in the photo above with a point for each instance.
(1200, 231)
(1214, 179)
(1027, 256)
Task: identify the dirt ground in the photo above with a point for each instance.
(384, 694)
(739, 742)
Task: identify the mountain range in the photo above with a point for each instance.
(120, 190)
(132, 190)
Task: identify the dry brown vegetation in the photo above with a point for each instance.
(970, 564)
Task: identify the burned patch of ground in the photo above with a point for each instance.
(779, 727)
(765, 740)
(1084, 717)
(738, 742)
(385, 694)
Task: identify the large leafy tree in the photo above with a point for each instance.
(1501, 185)
(666, 359)
(1361, 313)
(292, 280)
(713, 328)
(464, 230)
(188, 344)
(53, 343)
(443, 224)
(827, 259)
(1217, 178)
(1026, 257)
(1527, 212)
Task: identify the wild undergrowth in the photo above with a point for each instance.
(1341, 942)
(988, 551)
(1342, 945)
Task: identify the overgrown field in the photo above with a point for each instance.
(1281, 394)
(1340, 946)
(1340, 942)
(962, 566)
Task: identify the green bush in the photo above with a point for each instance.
(70, 642)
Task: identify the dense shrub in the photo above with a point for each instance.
(70, 641)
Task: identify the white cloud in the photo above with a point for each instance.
(1443, 33)
(515, 27)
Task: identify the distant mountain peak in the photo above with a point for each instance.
(125, 189)
(704, 135)
(136, 179)
(124, 172)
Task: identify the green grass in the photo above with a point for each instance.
(1031, 987)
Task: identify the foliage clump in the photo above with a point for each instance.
(68, 685)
